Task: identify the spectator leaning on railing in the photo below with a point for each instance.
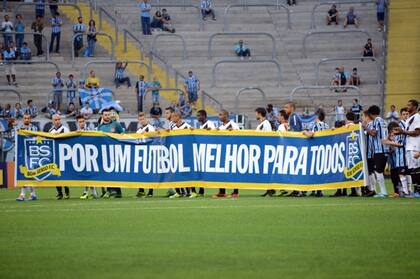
(19, 29)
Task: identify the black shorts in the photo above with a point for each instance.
(380, 16)
(380, 162)
(371, 165)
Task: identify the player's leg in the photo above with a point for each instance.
(59, 192)
(85, 193)
(21, 196)
(380, 163)
(66, 192)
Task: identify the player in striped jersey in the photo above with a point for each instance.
(145, 127)
(28, 126)
(379, 132)
(58, 128)
(318, 126)
(368, 123)
(226, 124)
(179, 124)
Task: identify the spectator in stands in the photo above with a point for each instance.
(336, 78)
(392, 115)
(242, 50)
(53, 7)
(332, 15)
(25, 52)
(6, 112)
(15, 49)
(37, 27)
(86, 111)
(71, 86)
(340, 111)
(368, 49)
(145, 16)
(7, 28)
(207, 9)
(57, 84)
(157, 22)
(92, 82)
(120, 78)
(291, 2)
(154, 87)
(49, 111)
(192, 87)
(71, 110)
(31, 109)
(156, 113)
(141, 89)
(271, 114)
(39, 8)
(9, 56)
(19, 29)
(78, 28)
(380, 13)
(17, 112)
(186, 110)
(341, 78)
(356, 108)
(167, 22)
(354, 78)
(91, 39)
(56, 23)
(351, 18)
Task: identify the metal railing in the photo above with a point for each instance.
(14, 91)
(31, 62)
(248, 89)
(47, 51)
(112, 56)
(102, 12)
(127, 34)
(225, 61)
(207, 98)
(184, 44)
(226, 18)
(92, 7)
(326, 96)
(18, 6)
(212, 36)
(183, 6)
(84, 71)
(309, 34)
(329, 3)
(326, 60)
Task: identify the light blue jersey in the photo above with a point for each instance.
(381, 129)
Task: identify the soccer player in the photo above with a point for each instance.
(368, 122)
(412, 131)
(226, 124)
(179, 124)
(264, 125)
(82, 126)
(168, 116)
(319, 125)
(379, 132)
(145, 127)
(27, 125)
(283, 119)
(58, 128)
(207, 125)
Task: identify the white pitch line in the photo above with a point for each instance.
(81, 209)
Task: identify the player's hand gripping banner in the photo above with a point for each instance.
(186, 158)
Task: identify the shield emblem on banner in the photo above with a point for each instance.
(39, 152)
(354, 155)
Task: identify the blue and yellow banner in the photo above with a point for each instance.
(184, 158)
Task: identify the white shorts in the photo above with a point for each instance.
(411, 162)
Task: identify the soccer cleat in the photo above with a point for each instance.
(59, 197)
(192, 195)
(234, 195)
(20, 198)
(380, 196)
(220, 195)
(66, 196)
(140, 195)
(106, 195)
(84, 196)
(174, 196)
(33, 198)
(283, 193)
(149, 196)
(92, 197)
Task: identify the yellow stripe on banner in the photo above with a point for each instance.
(204, 184)
(164, 133)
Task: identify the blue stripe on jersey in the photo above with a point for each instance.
(369, 142)
(380, 127)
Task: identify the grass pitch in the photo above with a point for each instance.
(249, 237)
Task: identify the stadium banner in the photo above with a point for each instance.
(185, 158)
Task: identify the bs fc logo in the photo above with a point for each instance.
(39, 159)
(354, 160)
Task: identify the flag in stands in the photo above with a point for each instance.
(96, 97)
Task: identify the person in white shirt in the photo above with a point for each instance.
(86, 111)
(412, 146)
(7, 28)
(168, 116)
(179, 124)
(340, 111)
(144, 127)
(283, 119)
(58, 128)
(226, 124)
(392, 116)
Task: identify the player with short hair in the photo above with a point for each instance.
(370, 189)
(145, 127)
(28, 126)
(379, 132)
(58, 128)
(226, 124)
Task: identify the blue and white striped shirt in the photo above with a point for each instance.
(206, 4)
(56, 25)
(30, 127)
(398, 154)
(369, 142)
(57, 83)
(380, 127)
(320, 126)
(79, 28)
(32, 111)
(119, 72)
(192, 83)
(141, 87)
